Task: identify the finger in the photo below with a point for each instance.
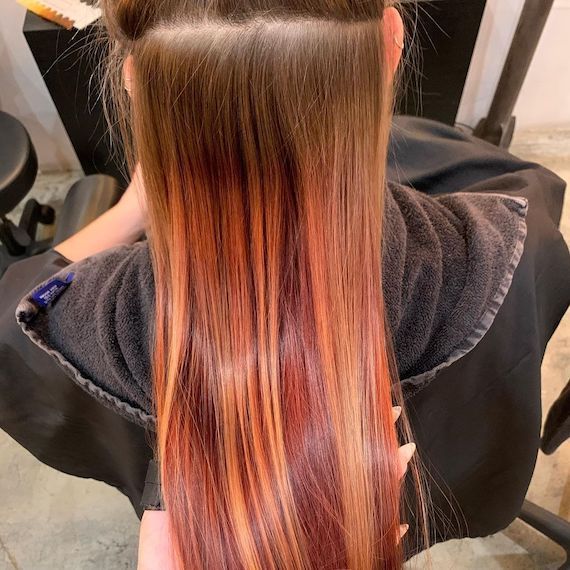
(155, 542)
(396, 412)
(405, 453)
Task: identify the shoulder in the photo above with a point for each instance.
(98, 326)
(448, 264)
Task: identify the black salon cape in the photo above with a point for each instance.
(476, 423)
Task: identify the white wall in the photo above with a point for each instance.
(24, 94)
(544, 101)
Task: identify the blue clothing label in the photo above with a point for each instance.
(49, 292)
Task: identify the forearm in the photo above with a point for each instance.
(116, 226)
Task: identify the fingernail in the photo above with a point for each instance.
(396, 411)
(408, 450)
(404, 455)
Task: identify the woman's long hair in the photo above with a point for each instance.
(261, 128)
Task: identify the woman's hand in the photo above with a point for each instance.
(405, 454)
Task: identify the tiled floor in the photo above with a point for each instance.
(49, 520)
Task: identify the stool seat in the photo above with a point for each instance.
(18, 163)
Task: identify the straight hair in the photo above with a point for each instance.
(262, 128)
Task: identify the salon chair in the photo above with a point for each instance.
(86, 199)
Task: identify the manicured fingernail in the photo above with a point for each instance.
(408, 450)
(396, 412)
(405, 454)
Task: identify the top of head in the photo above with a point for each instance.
(132, 19)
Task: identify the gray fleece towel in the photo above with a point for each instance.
(448, 263)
